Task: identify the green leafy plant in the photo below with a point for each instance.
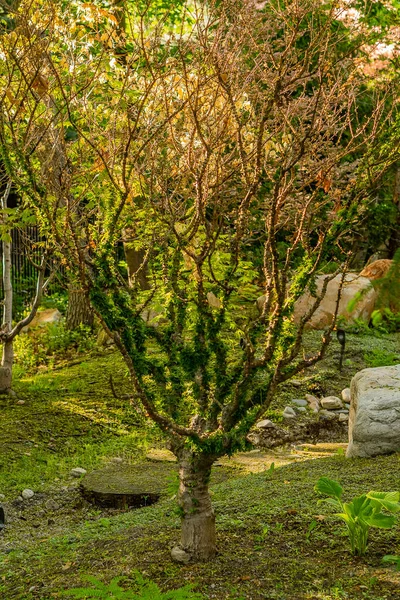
(390, 558)
(360, 514)
(145, 590)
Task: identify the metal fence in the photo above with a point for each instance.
(25, 254)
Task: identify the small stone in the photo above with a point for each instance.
(346, 395)
(2, 497)
(27, 494)
(265, 424)
(289, 413)
(301, 403)
(21, 402)
(347, 406)
(116, 459)
(310, 398)
(343, 418)
(78, 472)
(331, 403)
(300, 409)
(327, 415)
(11, 393)
(52, 505)
(180, 556)
(296, 383)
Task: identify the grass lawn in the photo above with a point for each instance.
(274, 539)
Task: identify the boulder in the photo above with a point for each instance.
(43, 318)
(354, 284)
(374, 422)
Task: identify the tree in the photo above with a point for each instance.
(9, 329)
(235, 148)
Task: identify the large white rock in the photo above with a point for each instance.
(353, 285)
(374, 422)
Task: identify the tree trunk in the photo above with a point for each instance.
(7, 359)
(394, 241)
(198, 520)
(79, 311)
(135, 259)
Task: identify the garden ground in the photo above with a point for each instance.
(274, 539)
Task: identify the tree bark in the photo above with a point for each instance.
(7, 358)
(198, 538)
(394, 241)
(79, 311)
(137, 270)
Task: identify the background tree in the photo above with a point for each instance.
(235, 146)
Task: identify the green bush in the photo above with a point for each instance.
(51, 342)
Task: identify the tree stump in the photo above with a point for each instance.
(127, 486)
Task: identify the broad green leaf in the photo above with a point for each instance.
(389, 500)
(332, 501)
(381, 521)
(329, 487)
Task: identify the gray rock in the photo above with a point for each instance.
(347, 406)
(300, 409)
(289, 413)
(331, 403)
(78, 472)
(298, 402)
(327, 415)
(180, 556)
(313, 403)
(343, 417)
(374, 424)
(346, 395)
(12, 393)
(27, 494)
(296, 382)
(265, 424)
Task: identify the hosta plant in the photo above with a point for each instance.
(362, 512)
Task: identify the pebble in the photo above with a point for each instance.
(347, 406)
(21, 402)
(343, 417)
(78, 472)
(296, 383)
(52, 505)
(331, 403)
(300, 409)
(265, 424)
(116, 459)
(27, 494)
(289, 413)
(327, 415)
(346, 395)
(11, 393)
(301, 403)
